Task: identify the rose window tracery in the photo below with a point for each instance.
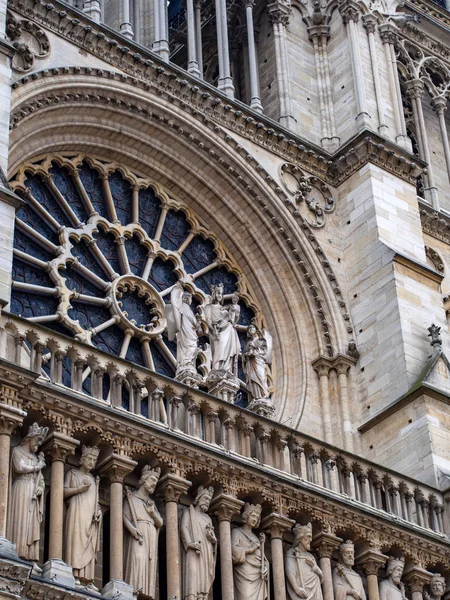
(98, 250)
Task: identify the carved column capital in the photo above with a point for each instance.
(278, 12)
(276, 525)
(371, 561)
(439, 104)
(388, 34)
(171, 487)
(225, 506)
(415, 88)
(369, 22)
(416, 577)
(117, 467)
(11, 413)
(325, 543)
(322, 366)
(58, 446)
(349, 11)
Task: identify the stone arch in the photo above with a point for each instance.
(204, 168)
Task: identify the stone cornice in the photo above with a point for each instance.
(203, 100)
(434, 223)
(431, 11)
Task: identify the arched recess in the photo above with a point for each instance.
(194, 162)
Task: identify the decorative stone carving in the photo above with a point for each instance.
(435, 259)
(223, 337)
(184, 327)
(303, 576)
(142, 522)
(29, 40)
(200, 547)
(346, 582)
(27, 494)
(311, 195)
(83, 518)
(437, 588)
(251, 568)
(257, 353)
(392, 588)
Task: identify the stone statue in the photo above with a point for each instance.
(251, 568)
(257, 352)
(83, 518)
(183, 326)
(392, 587)
(234, 310)
(27, 494)
(437, 588)
(303, 576)
(142, 522)
(346, 582)
(200, 545)
(223, 337)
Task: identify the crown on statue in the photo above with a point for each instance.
(347, 544)
(36, 431)
(204, 491)
(250, 509)
(90, 451)
(216, 288)
(149, 471)
(301, 529)
(395, 562)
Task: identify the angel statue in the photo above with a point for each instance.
(257, 353)
(223, 337)
(184, 327)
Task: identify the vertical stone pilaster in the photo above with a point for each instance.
(325, 544)
(276, 525)
(322, 366)
(171, 487)
(372, 561)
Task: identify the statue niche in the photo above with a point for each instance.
(347, 583)
(27, 494)
(392, 587)
(142, 523)
(83, 518)
(199, 547)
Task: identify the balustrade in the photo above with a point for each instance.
(166, 403)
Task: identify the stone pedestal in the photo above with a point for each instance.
(116, 588)
(57, 571)
(223, 384)
(7, 548)
(189, 377)
(263, 407)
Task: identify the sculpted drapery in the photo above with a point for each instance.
(183, 326)
(83, 518)
(199, 545)
(142, 523)
(303, 576)
(27, 494)
(346, 582)
(223, 337)
(251, 568)
(256, 354)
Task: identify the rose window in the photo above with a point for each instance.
(97, 252)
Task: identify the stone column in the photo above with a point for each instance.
(371, 561)
(125, 26)
(59, 447)
(198, 35)
(171, 487)
(11, 417)
(278, 13)
(439, 105)
(370, 22)
(350, 16)
(255, 100)
(324, 544)
(193, 67)
(276, 525)
(116, 467)
(225, 507)
(161, 43)
(416, 577)
(225, 83)
(322, 367)
(342, 367)
(415, 91)
(93, 10)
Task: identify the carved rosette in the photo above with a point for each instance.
(311, 196)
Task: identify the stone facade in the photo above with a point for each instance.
(224, 295)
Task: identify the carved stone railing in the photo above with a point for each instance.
(165, 404)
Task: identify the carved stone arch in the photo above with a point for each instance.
(203, 168)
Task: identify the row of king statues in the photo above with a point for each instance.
(142, 523)
(218, 321)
